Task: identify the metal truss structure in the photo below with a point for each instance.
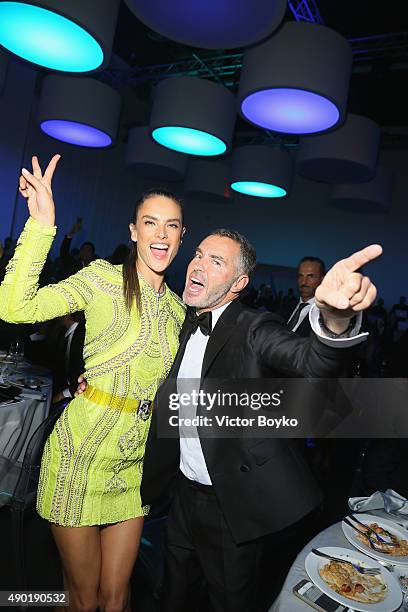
(305, 10)
(388, 47)
(225, 67)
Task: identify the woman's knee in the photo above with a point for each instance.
(81, 601)
(83, 604)
(113, 601)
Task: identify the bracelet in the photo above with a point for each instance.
(331, 334)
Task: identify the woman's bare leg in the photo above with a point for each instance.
(119, 547)
(80, 552)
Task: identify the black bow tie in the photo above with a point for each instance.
(202, 321)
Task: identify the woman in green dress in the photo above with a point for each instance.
(91, 470)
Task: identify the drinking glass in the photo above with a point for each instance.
(16, 352)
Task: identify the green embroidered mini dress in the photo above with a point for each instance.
(92, 463)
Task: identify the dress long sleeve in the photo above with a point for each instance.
(21, 301)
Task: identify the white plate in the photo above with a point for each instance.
(27, 381)
(393, 598)
(390, 526)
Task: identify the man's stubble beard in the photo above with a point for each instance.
(213, 298)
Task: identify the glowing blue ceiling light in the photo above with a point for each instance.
(48, 39)
(297, 81)
(76, 133)
(188, 140)
(261, 171)
(193, 116)
(212, 24)
(80, 111)
(292, 111)
(151, 160)
(259, 190)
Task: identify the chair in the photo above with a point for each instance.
(23, 496)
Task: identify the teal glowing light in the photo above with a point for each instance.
(189, 140)
(47, 39)
(259, 190)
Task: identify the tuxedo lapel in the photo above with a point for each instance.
(183, 337)
(219, 336)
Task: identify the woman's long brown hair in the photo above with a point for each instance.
(131, 285)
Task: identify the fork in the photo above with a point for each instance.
(374, 545)
(377, 535)
(370, 571)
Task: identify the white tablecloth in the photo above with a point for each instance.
(332, 536)
(18, 421)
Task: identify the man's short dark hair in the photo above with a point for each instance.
(247, 252)
(316, 259)
(89, 244)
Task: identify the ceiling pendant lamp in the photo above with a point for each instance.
(374, 196)
(64, 35)
(260, 171)
(209, 179)
(347, 155)
(193, 116)
(297, 81)
(151, 160)
(211, 24)
(79, 111)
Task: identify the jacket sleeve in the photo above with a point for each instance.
(21, 301)
(286, 352)
(65, 248)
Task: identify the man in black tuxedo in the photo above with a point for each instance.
(69, 360)
(228, 493)
(311, 271)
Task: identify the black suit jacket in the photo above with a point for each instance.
(66, 372)
(304, 330)
(262, 485)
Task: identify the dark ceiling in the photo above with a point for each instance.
(378, 86)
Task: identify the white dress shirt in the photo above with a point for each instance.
(192, 461)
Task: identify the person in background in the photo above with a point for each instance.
(6, 253)
(399, 318)
(86, 254)
(69, 357)
(3, 262)
(311, 271)
(119, 255)
(89, 488)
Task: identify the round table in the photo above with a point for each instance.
(332, 536)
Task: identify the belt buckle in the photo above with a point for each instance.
(144, 409)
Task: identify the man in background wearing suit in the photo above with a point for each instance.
(229, 492)
(311, 271)
(69, 360)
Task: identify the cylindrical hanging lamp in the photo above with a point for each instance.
(297, 81)
(370, 197)
(347, 155)
(211, 24)
(64, 35)
(209, 178)
(80, 111)
(193, 116)
(259, 170)
(151, 160)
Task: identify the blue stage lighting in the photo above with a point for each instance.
(188, 140)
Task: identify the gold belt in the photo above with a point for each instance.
(116, 402)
